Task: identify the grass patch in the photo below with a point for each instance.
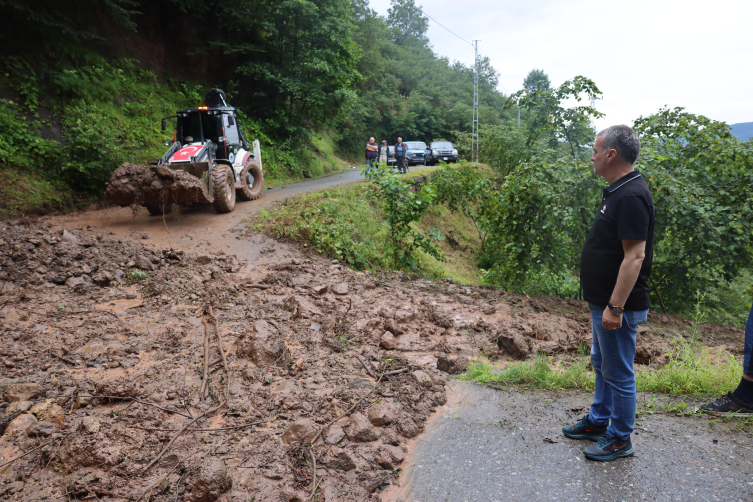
(344, 223)
(692, 370)
(538, 372)
(28, 192)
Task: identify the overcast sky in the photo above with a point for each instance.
(642, 54)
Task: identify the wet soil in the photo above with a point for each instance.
(494, 445)
(103, 322)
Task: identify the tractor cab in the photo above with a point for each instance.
(209, 132)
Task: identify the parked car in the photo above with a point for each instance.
(442, 150)
(417, 152)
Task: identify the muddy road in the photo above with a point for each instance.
(199, 229)
(494, 445)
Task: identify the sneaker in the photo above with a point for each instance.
(584, 429)
(727, 404)
(609, 448)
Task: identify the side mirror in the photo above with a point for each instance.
(164, 124)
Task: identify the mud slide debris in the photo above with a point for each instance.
(154, 185)
(325, 372)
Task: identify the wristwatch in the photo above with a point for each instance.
(616, 309)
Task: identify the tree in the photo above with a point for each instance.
(537, 80)
(701, 178)
(408, 22)
(571, 125)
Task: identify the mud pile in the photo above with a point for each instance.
(154, 185)
(102, 349)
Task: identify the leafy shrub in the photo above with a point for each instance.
(403, 206)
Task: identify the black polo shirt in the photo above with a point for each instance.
(626, 212)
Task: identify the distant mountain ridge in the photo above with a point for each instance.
(742, 131)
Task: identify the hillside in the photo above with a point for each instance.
(743, 130)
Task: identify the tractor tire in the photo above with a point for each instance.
(159, 210)
(223, 188)
(252, 179)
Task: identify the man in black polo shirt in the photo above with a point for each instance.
(614, 270)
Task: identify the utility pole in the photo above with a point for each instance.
(474, 130)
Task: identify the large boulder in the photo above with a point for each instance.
(264, 345)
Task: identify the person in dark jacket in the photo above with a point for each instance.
(401, 154)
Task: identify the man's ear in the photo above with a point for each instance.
(611, 155)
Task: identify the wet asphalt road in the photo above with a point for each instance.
(467, 456)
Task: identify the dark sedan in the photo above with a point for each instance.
(442, 150)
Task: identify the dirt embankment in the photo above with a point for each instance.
(103, 361)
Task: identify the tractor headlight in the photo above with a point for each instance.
(222, 139)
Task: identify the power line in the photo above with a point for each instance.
(446, 28)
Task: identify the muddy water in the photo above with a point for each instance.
(200, 229)
(491, 445)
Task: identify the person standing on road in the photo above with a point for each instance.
(614, 269)
(401, 154)
(741, 399)
(383, 153)
(371, 154)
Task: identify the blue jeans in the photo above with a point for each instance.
(748, 344)
(612, 355)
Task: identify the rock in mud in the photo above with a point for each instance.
(117, 387)
(388, 341)
(264, 345)
(389, 456)
(301, 307)
(17, 407)
(103, 278)
(49, 411)
(383, 413)
(21, 424)
(334, 434)
(452, 364)
(423, 379)
(389, 436)
(338, 458)
(207, 481)
(43, 429)
(22, 391)
(340, 288)
(514, 343)
(408, 427)
(300, 431)
(360, 429)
